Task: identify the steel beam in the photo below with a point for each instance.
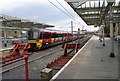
(97, 14)
(105, 12)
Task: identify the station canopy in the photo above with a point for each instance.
(93, 12)
(10, 22)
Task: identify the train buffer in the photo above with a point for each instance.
(18, 51)
(70, 46)
(62, 60)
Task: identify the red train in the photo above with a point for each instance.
(40, 38)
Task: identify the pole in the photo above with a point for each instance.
(5, 36)
(78, 35)
(111, 33)
(116, 29)
(100, 34)
(103, 33)
(82, 30)
(26, 67)
(72, 27)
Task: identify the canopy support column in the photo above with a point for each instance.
(111, 33)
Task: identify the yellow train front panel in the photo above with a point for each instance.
(38, 43)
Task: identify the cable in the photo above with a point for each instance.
(66, 24)
(60, 9)
(65, 8)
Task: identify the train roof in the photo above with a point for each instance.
(50, 30)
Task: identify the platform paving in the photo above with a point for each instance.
(92, 62)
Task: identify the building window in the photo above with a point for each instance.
(15, 32)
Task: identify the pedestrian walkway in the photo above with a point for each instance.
(92, 62)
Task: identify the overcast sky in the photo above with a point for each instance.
(44, 12)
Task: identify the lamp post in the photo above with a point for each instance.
(72, 27)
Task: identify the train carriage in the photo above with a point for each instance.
(40, 38)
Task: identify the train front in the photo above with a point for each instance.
(34, 39)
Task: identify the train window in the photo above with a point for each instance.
(52, 35)
(63, 35)
(59, 35)
(35, 35)
(45, 35)
(40, 35)
(56, 35)
(30, 34)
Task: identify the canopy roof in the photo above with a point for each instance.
(94, 11)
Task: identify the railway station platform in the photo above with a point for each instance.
(92, 61)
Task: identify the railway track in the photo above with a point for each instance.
(37, 56)
(28, 61)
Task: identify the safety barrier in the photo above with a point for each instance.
(18, 52)
(20, 49)
(62, 60)
(70, 46)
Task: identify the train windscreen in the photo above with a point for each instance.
(33, 34)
